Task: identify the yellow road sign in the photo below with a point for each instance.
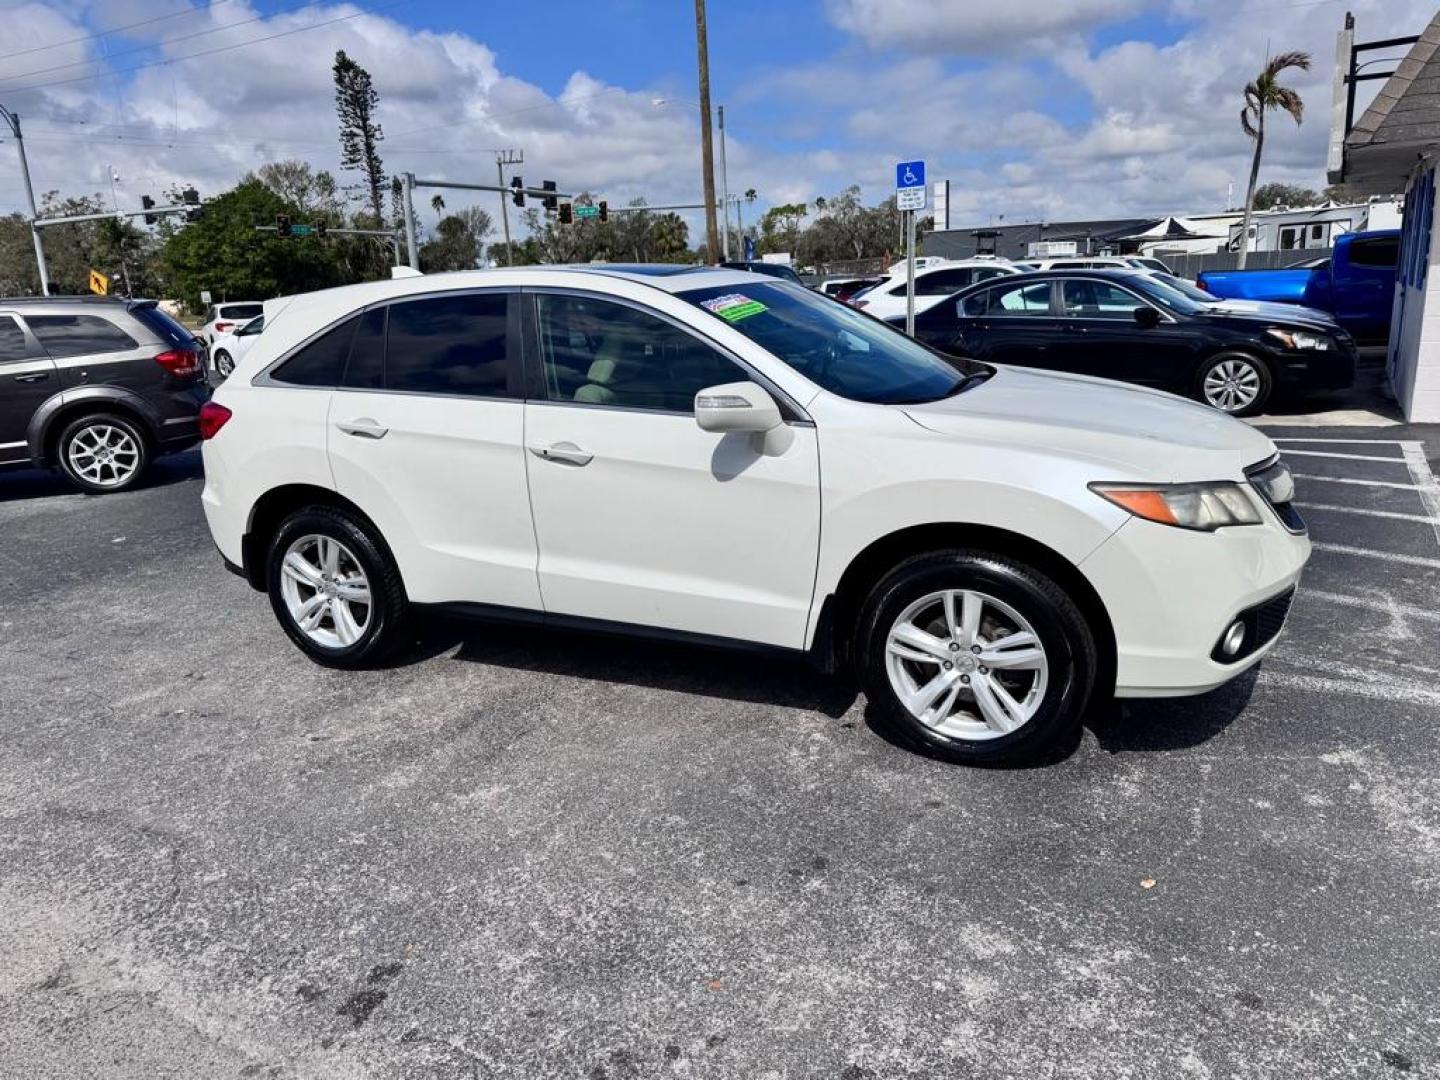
(99, 283)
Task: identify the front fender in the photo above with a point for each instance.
(38, 430)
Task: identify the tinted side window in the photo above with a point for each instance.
(78, 335)
(1011, 300)
(1382, 251)
(602, 353)
(164, 327)
(366, 369)
(1097, 300)
(240, 311)
(12, 340)
(449, 345)
(321, 362)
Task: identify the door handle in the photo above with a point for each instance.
(567, 452)
(39, 376)
(364, 428)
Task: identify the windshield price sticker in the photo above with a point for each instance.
(733, 307)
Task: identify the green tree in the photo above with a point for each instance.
(458, 241)
(222, 252)
(314, 194)
(1269, 196)
(1264, 94)
(360, 133)
(780, 228)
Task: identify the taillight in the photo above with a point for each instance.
(182, 362)
(222, 327)
(212, 418)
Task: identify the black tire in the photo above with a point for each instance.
(1068, 643)
(387, 622)
(112, 429)
(223, 364)
(1248, 362)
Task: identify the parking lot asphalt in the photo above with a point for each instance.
(526, 854)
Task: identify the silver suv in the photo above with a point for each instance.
(95, 387)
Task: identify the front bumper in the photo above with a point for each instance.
(1171, 593)
(1320, 369)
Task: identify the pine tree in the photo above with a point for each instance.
(360, 135)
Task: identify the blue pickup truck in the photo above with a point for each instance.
(1356, 284)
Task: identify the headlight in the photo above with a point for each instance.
(1205, 506)
(1299, 339)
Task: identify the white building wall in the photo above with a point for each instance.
(1414, 354)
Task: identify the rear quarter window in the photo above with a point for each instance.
(79, 335)
(164, 327)
(321, 362)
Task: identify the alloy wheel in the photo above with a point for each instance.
(1232, 385)
(223, 364)
(326, 591)
(105, 455)
(966, 665)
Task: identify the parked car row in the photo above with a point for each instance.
(1135, 327)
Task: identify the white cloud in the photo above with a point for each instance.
(972, 26)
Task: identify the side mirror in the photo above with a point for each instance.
(1147, 318)
(739, 406)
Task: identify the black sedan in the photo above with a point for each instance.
(1127, 325)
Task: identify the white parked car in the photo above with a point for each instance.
(714, 456)
(222, 318)
(933, 282)
(234, 343)
(1096, 262)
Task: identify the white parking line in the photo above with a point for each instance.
(1424, 481)
(1362, 483)
(1371, 553)
(1408, 611)
(1367, 442)
(1421, 518)
(1347, 457)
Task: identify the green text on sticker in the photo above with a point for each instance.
(733, 307)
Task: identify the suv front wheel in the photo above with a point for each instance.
(978, 658)
(335, 588)
(102, 453)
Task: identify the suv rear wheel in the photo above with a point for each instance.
(979, 658)
(335, 589)
(103, 452)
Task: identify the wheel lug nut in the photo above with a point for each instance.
(975, 648)
(948, 665)
(954, 646)
(965, 679)
(984, 670)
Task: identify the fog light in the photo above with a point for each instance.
(1234, 638)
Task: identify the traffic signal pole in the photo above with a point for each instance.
(411, 183)
(13, 120)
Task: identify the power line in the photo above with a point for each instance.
(160, 43)
(204, 52)
(115, 30)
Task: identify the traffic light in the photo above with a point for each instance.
(148, 203)
(551, 201)
(567, 213)
(604, 210)
(320, 228)
(518, 195)
(190, 197)
(282, 224)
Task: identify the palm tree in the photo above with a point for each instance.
(1262, 95)
(437, 203)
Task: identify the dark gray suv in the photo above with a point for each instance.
(96, 387)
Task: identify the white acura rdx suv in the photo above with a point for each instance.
(714, 456)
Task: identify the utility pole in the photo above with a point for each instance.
(412, 251)
(707, 150)
(13, 119)
(724, 190)
(503, 158)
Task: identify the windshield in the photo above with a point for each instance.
(1166, 295)
(835, 346)
(1185, 288)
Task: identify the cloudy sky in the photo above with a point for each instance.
(1053, 108)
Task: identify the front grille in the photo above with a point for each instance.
(1263, 624)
